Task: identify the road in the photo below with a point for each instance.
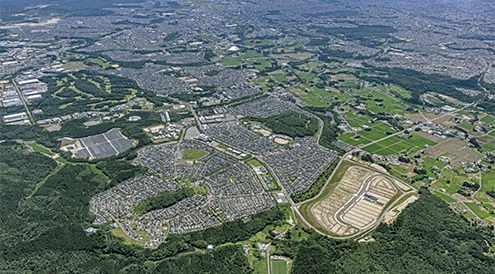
(23, 100)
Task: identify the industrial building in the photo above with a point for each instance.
(15, 117)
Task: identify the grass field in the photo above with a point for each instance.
(488, 147)
(488, 181)
(447, 198)
(61, 160)
(401, 91)
(392, 145)
(477, 210)
(193, 154)
(280, 77)
(260, 266)
(279, 267)
(128, 241)
(254, 162)
(41, 149)
(488, 119)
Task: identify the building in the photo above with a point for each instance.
(13, 102)
(134, 119)
(28, 82)
(203, 138)
(15, 117)
(33, 97)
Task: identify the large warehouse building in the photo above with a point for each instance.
(15, 117)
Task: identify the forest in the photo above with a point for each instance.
(362, 32)
(290, 123)
(162, 200)
(226, 259)
(119, 170)
(19, 10)
(419, 83)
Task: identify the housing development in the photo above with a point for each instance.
(164, 130)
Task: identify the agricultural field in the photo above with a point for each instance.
(489, 119)
(447, 198)
(479, 211)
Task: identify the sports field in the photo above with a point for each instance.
(279, 267)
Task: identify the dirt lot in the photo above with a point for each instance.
(415, 117)
(442, 119)
(263, 132)
(335, 90)
(461, 198)
(281, 141)
(457, 150)
(343, 76)
(297, 91)
(430, 137)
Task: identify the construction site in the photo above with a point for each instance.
(356, 203)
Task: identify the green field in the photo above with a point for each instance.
(233, 63)
(488, 147)
(388, 146)
(41, 149)
(401, 91)
(280, 77)
(447, 198)
(386, 152)
(420, 141)
(254, 162)
(260, 266)
(193, 154)
(488, 119)
(279, 267)
(252, 54)
(61, 160)
(128, 241)
(477, 210)
(488, 181)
